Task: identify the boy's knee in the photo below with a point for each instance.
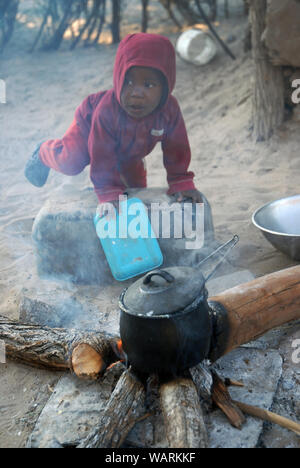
(63, 158)
(70, 170)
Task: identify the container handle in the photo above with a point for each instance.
(222, 252)
(162, 273)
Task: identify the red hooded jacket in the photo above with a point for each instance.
(113, 143)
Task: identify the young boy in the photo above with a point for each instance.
(114, 130)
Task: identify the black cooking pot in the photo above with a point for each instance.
(165, 324)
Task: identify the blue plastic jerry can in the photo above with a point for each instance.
(128, 240)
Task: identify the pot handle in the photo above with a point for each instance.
(164, 274)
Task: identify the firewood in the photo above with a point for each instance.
(86, 362)
(124, 409)
(203, 380)
(266, 415)
(183, 417)
(233, 383)
(220, 396)
(252, 309)
(52, 348)
(258, 306)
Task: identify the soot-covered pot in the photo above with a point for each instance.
(165, 323)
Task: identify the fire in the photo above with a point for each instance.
(118, 349)
(114, 364)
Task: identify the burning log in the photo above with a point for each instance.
(185, 427)
(86, 353)
(87, 362)
(124, 409)
(256, 307)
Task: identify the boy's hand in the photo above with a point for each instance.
(194, 195)
(108, 209)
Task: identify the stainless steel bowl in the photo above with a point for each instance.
(279, 221)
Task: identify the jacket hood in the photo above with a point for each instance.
(144, 50)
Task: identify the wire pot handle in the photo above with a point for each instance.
(162, 273)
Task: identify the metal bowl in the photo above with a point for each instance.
(279, 221)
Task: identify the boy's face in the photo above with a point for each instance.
(142, 91)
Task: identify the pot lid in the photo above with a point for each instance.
(163, 292)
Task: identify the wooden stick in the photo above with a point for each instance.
(125, 407)
(41, 29)
(269, 416)
(258, 306)
(101, 22)
(145, 4)
(202, 378)
(92, 15)
(233, 383)
(167, 6)
(52, 348)
(220, 396)
(185, 427)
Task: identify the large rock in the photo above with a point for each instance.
(260, 372)
(68, 248)
(282, 34)
(73, 410)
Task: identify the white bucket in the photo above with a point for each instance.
(196, 46)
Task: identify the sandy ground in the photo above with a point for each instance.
(236, 175)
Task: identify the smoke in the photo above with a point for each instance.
(61, 304)
(71, 274)
(2, 92)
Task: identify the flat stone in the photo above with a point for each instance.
(272, 338)
(67, 246)
(260, 372)
(65, 240)
(73, 410)
(287, 398)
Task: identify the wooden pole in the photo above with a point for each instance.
(145, 4)
(268, 95)
(116, 18)
(258, 306)
(8, 14)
